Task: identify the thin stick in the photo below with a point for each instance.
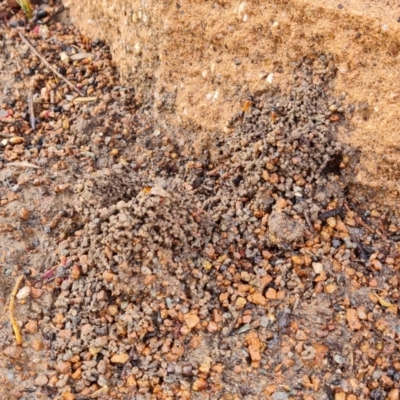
(365, 225)
(31, 111)
(47, 64)
(14, 322)
(308, 219)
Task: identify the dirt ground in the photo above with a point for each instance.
(154, 265)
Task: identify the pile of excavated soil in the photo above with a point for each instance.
(195, 279)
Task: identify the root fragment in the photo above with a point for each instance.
(14, 322)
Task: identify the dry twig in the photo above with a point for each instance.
(365, 225)
(14, 322)
(31, 111)
(47, 64)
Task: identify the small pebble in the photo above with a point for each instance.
(23, 293)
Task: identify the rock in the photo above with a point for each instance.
(199, 384)
(254, 347)
(16, 140)
(31, 327)
(191, 320)
(86, 330)
(271, 294)
(280, 396)
(393, 395)
(24, 213)
(331, 288)
(301, 335)
(36, 293)
(240, 303)
(212, 327)
(317, 267)
(120, 358)
(12, 351)
(352, 319)
(23, 293)
(63, 367)
(101, 341)
(75, 271)
(68, 396)
(257, 298)
(37, 344)
(41, 380)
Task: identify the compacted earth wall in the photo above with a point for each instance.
(197, 62)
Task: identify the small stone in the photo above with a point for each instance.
(257, 298)
(75, 271)
(36, 293)
(271, 294)
(205, 366)
(280, 396)
(65, 334)
(37, 344)
(331, 288)
(362, 312)
(245, 276)
(63, 367)
(31, 327)
(331, 222)
(77, 375)
(101, 341)
(113, 310)
(301, 335)
(199, 384)
(68, 396)
(12, 351)
(108, 276)
(191, 320)
(317, 267)
(86, 330)
(393, 395)
(23, 213)
(23, 293)
(212, 327)
(114, 152)
(120, 358)
(270, 389)
(146, 270)
(240, 303)
(340, 396)
(64, 57)
(352, 319)
(298, 260)
(41, 380)
(16, 140)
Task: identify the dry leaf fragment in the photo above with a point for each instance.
(21, 164)
(81, 56)
(84, 99)
(97, 393)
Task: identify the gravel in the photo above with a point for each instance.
(167, 272)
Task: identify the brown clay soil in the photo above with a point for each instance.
(156, 265)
